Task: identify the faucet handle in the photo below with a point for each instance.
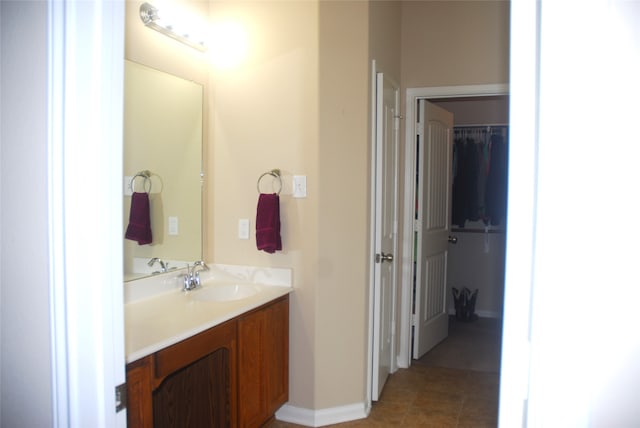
(186, 282)
(200, 263)
(163, 265)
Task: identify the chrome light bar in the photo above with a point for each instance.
(150, 16)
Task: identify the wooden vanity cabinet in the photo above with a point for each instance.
(235, 374)
(192, 383)
(263, 363)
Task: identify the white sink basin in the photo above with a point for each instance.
(225, 292)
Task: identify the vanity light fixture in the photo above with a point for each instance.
(151, 17)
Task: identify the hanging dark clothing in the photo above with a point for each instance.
(465, 200)
(458, 215)
(496, 191)
(479, 180)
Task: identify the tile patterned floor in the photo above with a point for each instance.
(455, 385)
(423, 396)
(471, 346)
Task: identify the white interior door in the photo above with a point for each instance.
(385, 231)
(434, 152)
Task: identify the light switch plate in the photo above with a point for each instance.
(299, 186)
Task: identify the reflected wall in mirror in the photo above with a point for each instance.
(163, 134)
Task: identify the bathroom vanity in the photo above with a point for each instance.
(217, 356)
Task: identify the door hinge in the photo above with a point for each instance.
(417, 226)
(396, 123)
(414, 320)
(419, 128)
(121, 397)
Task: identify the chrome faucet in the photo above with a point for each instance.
(163, 265)
(192, 277)
(201, 264)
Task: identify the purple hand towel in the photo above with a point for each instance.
(139, 228)
(268, 223)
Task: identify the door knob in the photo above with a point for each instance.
(453, 239)
(382, 257)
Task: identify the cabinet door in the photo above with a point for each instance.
(196, 395)
(139, 405)
(252, 394)
(263, 363)
(191, 383)
(277, 356)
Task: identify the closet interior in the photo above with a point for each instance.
(477, 260)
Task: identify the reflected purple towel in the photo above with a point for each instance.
(139, 228)
(268, 223)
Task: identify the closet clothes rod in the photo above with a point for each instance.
(463, 230)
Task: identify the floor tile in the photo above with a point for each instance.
(445, 390)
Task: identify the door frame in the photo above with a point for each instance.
(85, 143)
(406, 296)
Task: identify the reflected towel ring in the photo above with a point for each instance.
(146, 175)
(275, 173)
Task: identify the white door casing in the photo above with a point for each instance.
(86, 42)
(385, 234)
(413, 95)
(432, 226)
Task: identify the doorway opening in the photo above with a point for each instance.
(477, 261)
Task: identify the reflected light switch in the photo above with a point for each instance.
(173, 225)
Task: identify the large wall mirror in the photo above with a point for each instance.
(162, 135)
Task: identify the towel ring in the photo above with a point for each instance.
(275, 173)
(146, 175)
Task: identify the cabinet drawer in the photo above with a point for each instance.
(189, 350)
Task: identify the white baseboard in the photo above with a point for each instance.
(480, 313)
(486, 314)
(322, 417)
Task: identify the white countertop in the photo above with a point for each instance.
(163, 315)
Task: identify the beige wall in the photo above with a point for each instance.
(454, 43)
(385, 37)
(300, 102)
(265, 116)
(477, 110)
(343, 227)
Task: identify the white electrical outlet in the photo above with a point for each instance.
(243, 228)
